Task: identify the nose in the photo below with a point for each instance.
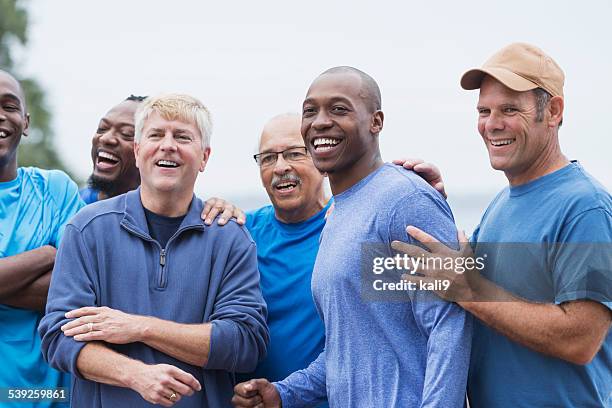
(322, 120)
(281, 166)
(108, 137)
(494, 122)
(168, 143)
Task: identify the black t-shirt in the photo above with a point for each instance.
(161, 227)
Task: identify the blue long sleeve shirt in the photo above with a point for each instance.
(205, 274)
(382, 349)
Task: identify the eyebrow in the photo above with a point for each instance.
(287, 148)
(119, 124)
(332, 99)
(13, 97)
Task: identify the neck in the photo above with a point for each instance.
(549, 161)
(166, 204)
(300, 214)
(344, 179)
(8, 172)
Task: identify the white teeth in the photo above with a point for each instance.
(325, 141)
(167, 163)
(502, 142)
(3, 134)
(108, 156)
(285, 185)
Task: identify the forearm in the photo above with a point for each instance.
(189, 343)
(567, 331)
(19, 271)
(33, 296)
(98, 363)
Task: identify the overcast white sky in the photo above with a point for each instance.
(250, 60)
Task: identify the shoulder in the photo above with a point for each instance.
(230, 233)
(52, 181)
(97, 211)
(258, 218)
(583, 192)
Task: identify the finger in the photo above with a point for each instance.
(426, 170)
(240, 401)
(411, 250)
(210, 203)
(439, 186)
(421, 236)
(176, 398)
(245, 390)
(91, 336)
(240, 216)
(81, 329)
(84, 311)
(212, 214)
(181, 388)
(228, 212)
(186, 379)
(418, 280)
(79, 322)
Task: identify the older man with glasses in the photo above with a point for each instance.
(287, 237)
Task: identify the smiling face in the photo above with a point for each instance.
(294, 186)
(112, 151)
(169, 157)
(340, 127)
(517, 143)
(14, 122)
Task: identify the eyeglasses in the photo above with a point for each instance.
(292, 155)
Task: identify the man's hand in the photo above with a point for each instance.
(453, 284)
(105, 324)
(428, 171)
(215, 206)
(163, 384)
(259, 393)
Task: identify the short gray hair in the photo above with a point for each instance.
(175, 106)
(542, 98)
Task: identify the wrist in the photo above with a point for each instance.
(128, 377)
(144, 328)
(48, 254)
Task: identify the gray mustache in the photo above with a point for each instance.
(276, 180)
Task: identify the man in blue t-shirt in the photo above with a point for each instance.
(544, 297)
(287, 237)
(378, 352)
(35, 206)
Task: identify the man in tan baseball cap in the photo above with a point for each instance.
(542, 335)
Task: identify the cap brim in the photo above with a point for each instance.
(473, 78)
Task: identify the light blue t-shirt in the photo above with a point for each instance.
(564, 222)
(34, 208)
(286, 255)
(386, 352)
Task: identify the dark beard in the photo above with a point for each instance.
(107, 187)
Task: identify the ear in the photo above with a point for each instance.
(378, 118)
(26, 127)
(136, 149)
(205, 157)
(555, 110)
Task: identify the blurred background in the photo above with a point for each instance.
(248, 61)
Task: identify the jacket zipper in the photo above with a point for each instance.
(162, 251)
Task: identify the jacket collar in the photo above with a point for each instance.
(134, 217)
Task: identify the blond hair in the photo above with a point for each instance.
(175, 107)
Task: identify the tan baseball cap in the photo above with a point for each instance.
(520, 67)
